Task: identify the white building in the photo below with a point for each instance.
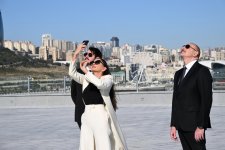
(17, 46)
(8, 44)
(46, 40)
(114, 61)
(116, 52)
(31, 48)
(43, 53)
(218, 55)
(25, 46)
(144, 58)
(104, 47)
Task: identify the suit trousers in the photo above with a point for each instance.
(188, 141)
(95, 129)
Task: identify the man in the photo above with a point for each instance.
(76, 88)
(192, 100)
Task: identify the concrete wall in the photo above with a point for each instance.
(161, 98)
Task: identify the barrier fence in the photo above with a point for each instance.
(62, 85)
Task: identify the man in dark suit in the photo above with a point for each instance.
(192, 100)
(76, 88)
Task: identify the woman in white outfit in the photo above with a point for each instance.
(100, 129)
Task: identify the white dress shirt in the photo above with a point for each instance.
(188, 66)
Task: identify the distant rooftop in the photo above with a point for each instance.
(209, 63)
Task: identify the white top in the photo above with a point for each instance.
(104, 85)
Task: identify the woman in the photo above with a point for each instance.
(100, 129)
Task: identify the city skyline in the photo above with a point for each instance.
(170, 24)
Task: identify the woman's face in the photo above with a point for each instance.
(97, 65)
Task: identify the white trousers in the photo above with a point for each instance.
(95, 130)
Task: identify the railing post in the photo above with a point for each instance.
(137, 86)
(64, 84)
(28, 84)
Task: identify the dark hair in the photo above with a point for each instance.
(96, 51)
(112, 93)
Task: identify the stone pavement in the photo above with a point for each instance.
(53, 128)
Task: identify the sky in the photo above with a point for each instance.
(170, 23)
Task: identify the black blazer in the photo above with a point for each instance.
(192, 99)
(76, 95)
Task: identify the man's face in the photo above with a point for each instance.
(89, 56)
(189, 50)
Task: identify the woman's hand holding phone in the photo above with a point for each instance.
(83, 66)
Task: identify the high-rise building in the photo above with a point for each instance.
(69, 55)
(43, 53)
(54, 53)
(104, 47)
(1, 32)
(115, 41)
(47, 40)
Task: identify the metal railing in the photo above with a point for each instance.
(31, 85)
(27, 85)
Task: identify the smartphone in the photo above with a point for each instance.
(85, 42)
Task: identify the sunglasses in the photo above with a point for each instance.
(97, 62)
(89, 54)
(187, 46)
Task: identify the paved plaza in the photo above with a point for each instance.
(53, 128)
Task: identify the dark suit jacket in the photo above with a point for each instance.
(76, 95)
(192, 99)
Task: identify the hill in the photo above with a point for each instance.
(19, 64)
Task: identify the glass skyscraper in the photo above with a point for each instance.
(115, 41)
(1, 31)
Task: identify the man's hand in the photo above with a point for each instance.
(173, 133)
(199, 134)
